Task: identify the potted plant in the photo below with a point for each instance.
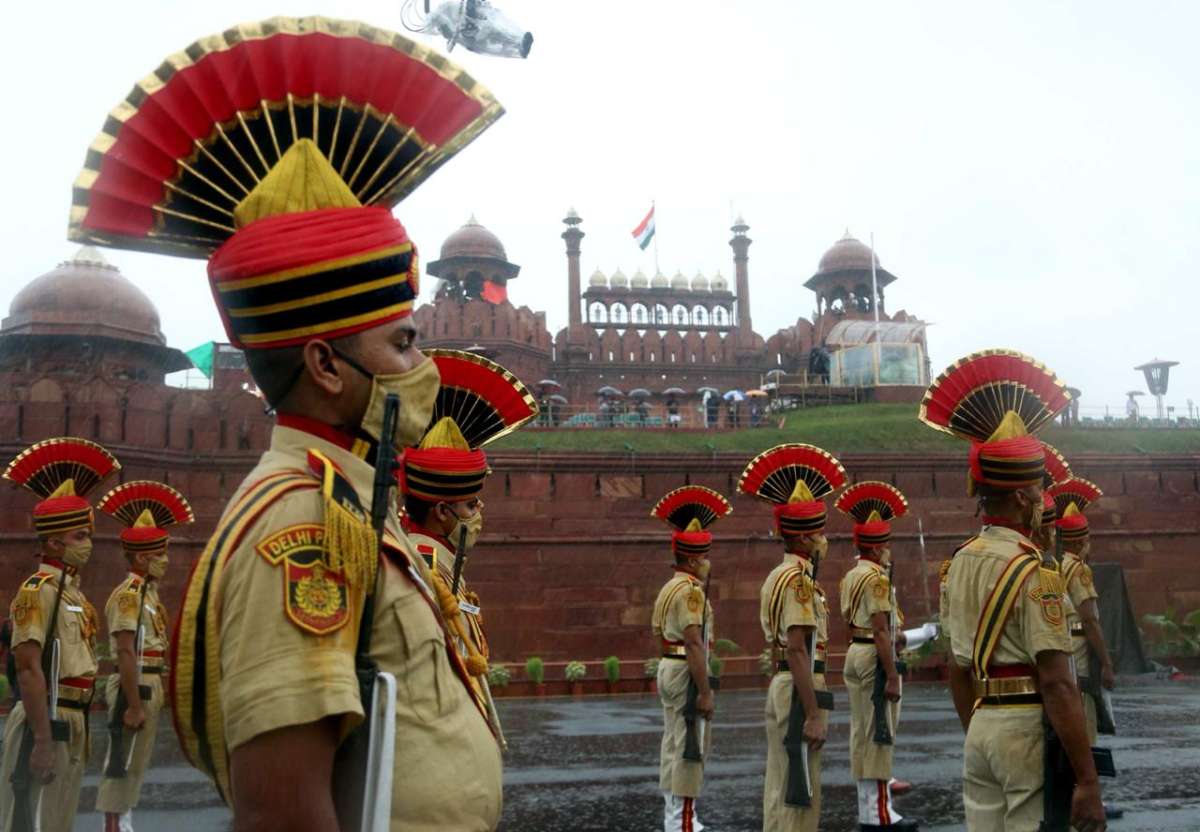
(535, 671)
(498, 676)
(574, 673)
(651, 669)
(612, 673)
(766, 663)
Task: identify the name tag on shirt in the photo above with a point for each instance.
(469, 609)
(73, 608)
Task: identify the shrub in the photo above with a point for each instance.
(575, 671)
(535, 670)
(5, 688)
(651, 667)
(1170, 636)
(612, 669)
(714, 667)
(766, 665)
(725, 647)
(498, 676)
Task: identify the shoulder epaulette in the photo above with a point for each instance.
(964, 544)
(1028, 546)
(36, 580)
(944, 569)
(350, 542)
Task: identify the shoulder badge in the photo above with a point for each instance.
(695, 600)
(1049, 593)
(882, 587)
(803, 586)
(36, 580)
(315, 595)
(1085, 577)
(944, 570)
(127, 603)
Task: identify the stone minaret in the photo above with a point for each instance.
(741, 256)
(573, 235)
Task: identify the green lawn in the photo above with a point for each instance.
(839, 429)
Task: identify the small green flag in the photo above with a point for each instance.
(202, 357)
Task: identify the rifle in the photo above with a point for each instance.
(24, 819)
(1059, 786)
(1105, 723)
(883, 729)
(117, 765)
(797, 790)
(362, 786)
(691, 708)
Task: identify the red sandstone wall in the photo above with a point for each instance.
(570, 562)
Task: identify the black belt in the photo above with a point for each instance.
(784, 667)
(73, 705)
(153, 671)
(862, 640)
(673, 656)
(1013, 699)
(1078, 632)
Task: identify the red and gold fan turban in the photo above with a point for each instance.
(146, 508)
(478, 402)
(873, 505)
(690, 510)
(997, 399)
(1071, 497)
(279, 148)
(62, 472)
(1049, 512)
(796, 478)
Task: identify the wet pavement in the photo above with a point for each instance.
(584, 765)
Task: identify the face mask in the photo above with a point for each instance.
(473, 525)
(885, 556)
(703, 567)
(77, 554)
(417, 389)
(157, 567)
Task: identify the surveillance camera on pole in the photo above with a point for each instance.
(475, 24)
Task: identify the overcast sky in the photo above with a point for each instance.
(1031, 171)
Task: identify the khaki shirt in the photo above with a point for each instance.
(287, 627)
(75, 628)
(864, 591)
(680, 604)
(1037, 622)
(1080, 589)
(440, 558)
(790, 598)
(121, 613)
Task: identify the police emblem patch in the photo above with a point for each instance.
(1051, 603)
(881, 588)
(316, 598)
(695, 600)
(803, 587)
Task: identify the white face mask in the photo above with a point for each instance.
(417, 389)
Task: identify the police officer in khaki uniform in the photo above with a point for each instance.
(54, 632)
(872, 614)
(315, 279)
(1006, 618)
(138, 637)
(441, 480)
(1071, 497)
(682, 622)
(795, 620)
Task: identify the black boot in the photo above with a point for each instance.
(903, 825)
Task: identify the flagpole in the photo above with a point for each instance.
(655, 214)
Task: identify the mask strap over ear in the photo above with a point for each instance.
(367, 373)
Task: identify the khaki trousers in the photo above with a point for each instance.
(868, 759)
(1002, 769)
(778, 816)
(121, 795)
(60, 798)
(676, 775)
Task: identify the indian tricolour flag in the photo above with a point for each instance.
(644, 233)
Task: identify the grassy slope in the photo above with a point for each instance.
(840, 429)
